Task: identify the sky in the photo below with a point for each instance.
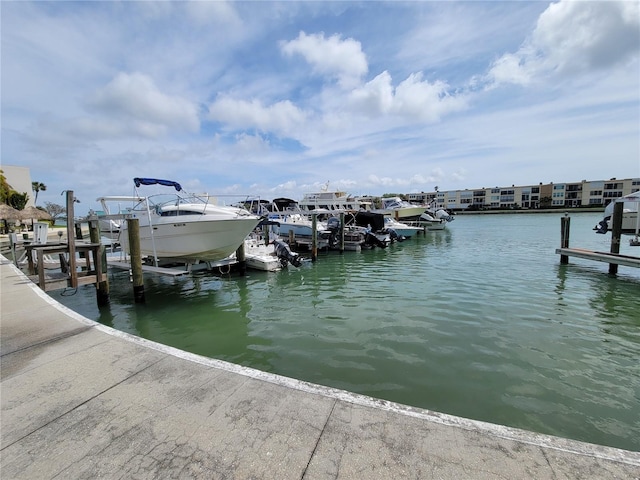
(277, 99)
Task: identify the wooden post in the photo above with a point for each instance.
(292, 239)
(265, 234)
(314, 237)
(13, 239)
(565, 224)
(133, 226)
(616, 233)
(73, 278)
(78, 235)
(242, 261)
(102, 287)
(341, 232)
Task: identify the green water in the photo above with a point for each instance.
(479, 321)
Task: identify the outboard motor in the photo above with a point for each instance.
(372, 241)
(602, 226)
(333, 225)
(285, 255)
(443, 214)
(394, 236)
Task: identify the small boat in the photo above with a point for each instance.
(183, 227)
(402, 229)
(630, 216)
(260, 256)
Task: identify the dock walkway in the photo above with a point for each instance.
(81, 400)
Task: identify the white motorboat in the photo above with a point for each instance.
(331, 201)
(289, 220)
(630, 216)
(435, 220)
(183, 227)
(400, 228)
(400, 209)
(260, 256)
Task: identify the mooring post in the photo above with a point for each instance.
(73, 279)
(341, 232)
(102, 287)
(616, 233)
(133, 226)
(265, 234)
(242, 260)
(13, 239)
(314, 237)
(565, 224)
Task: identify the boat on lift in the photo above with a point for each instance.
(182, 227)
(630, 217)
(400, 210)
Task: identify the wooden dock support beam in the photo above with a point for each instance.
(314, 237)
(73, 272)
(616, 233)
(133, 227)
(242, 260)
(565, 227)
(102, 287)
(341, 232)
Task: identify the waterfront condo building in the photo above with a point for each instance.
(585, 193)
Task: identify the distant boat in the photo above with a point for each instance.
(400, 209)
(630, 217)
(331, 201)
(290, 219)
(435, 219)
(183, 227)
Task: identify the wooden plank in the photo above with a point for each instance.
(611, 258)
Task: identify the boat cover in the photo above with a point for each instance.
(374, 220)
(155, 181)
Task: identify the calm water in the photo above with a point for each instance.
(479, 320)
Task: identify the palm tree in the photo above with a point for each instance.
(38, 187)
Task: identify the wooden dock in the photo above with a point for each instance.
(614, 258)
(610, 258)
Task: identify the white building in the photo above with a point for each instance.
(19, 178)
(578, 194)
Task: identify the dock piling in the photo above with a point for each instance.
(341, 232)
(133, 226)
(73, 279)
(314, 237)
(242, 261)
(565, 228)
(616, 233)
(102, 287)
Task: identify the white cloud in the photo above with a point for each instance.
(333, 56)
(375, 97)
(279, 117)
(574, 37)
(219, 11)
(413, 99)
(136, 99)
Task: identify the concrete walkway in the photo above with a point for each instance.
(81, 400)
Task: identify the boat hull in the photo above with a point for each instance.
(199, 240)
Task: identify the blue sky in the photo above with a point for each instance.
(276, 99)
